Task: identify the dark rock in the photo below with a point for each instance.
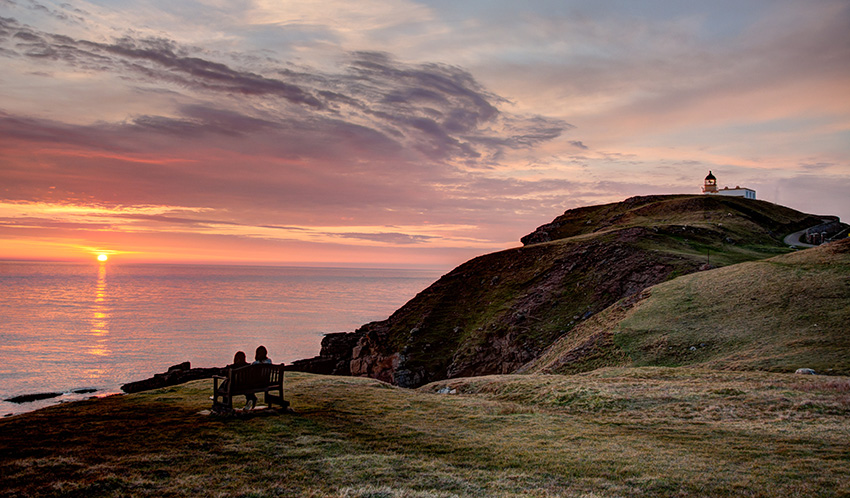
(539, 236)
(84, 391)
(404, 377)
(334, 357)
(182, 366)
(28, 398)
(172, 377)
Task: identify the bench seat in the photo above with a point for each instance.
(263, 378)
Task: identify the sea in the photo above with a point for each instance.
(83, 330)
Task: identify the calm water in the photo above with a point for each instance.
(65, 326)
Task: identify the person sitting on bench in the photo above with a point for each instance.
(239, 360)
(260, 356)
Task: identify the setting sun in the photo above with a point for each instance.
(102, 257)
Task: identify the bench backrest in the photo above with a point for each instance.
(254, 376)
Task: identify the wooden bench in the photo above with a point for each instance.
(250, 379)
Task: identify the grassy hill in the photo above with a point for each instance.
(500, 311)
(665, 432)
(778, 314)
(739, 221)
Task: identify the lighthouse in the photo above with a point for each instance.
(710, 187)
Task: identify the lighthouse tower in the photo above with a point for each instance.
(710, 186)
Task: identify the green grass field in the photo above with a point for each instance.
(612, 432)
(777, 314)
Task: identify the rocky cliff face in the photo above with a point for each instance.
(499, 311)
(334, 357)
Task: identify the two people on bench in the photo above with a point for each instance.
(261, 356)
(239, 360)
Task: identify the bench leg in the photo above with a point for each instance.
(225, 405)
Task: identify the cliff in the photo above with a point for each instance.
(500, 311)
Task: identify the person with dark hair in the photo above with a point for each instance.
(239, 360)
(261, 356)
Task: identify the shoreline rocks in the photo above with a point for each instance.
(29, 398)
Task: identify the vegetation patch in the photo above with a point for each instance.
(613, 432)
(778, 314)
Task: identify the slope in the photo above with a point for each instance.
(778, 314)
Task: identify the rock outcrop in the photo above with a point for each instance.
(334, 358)
(177, 374)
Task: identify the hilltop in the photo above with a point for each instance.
(501, 311)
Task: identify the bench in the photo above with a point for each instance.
(250, 379)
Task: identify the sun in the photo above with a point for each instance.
(102, 257)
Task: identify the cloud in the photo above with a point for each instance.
(376, 141)
(156, 59)
(438, 110)
(819, 166)
(812, 193)
(389, 238)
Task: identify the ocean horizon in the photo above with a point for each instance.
(67, 327)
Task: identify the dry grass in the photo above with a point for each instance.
(612, 432)
(779, 314)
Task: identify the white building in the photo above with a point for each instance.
(710, 187)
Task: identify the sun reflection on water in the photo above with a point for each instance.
(99, 321)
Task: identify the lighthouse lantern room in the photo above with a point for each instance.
(710, 184)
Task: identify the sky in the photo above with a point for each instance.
(399, 133)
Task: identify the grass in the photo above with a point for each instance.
(612, 432)
(779, 314)
(741, 219)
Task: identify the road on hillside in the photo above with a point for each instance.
(793, 239)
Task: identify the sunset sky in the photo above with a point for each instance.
(398, 132)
